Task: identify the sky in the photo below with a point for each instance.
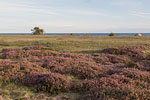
(78, 16)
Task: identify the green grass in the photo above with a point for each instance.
(11, 91)
(74, 44)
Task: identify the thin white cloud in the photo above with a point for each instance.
(127, 3)
(17, 9)
(141, 14)
(85, 12)
(23, 8)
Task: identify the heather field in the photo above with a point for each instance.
(74, 68)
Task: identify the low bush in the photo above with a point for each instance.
(111, 34)
(52, 82)
(118, 93)
(116, 74)
(26, 53)
(34, 48)
(114, 87)
(133, 65)
(111, 59)
(133, 73)
(86, 70)
(133, 51)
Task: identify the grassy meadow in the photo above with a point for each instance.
(74, 44)
(42, 67)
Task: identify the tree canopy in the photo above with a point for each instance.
(37, 31)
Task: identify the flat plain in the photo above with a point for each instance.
(75, 44)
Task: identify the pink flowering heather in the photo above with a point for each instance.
(27, 53)
(133, 51)
(52, 82)
(34, 48)
(111, 59)
(115, 74)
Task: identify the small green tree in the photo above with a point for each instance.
(111, 34)
(37, 31)
(71, 33)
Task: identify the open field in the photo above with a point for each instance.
(75, 44)
(74, 68)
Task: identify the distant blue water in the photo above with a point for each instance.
(90, 34)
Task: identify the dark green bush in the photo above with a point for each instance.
(71, 33)
(111, 34)
(37, 31)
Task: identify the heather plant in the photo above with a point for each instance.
(111, 59)
(34, 48)
(77, 67)
(133, 51)
(86, 70)
(118, 59)
(18, 70)
(9, 49)
(118, 93)
(58, 64)
(115, 74)
(115, 87)
(145, 62)
(110, 81)
(134, 74)
(27, 53)
(47, 82)
(68, 55)
(5, 62)
(133, 65)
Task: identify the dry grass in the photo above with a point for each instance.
(75, 44)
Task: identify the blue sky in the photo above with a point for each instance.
(75, 15)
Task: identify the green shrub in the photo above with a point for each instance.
(71, 33)
(111, 34)
(37, 31)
